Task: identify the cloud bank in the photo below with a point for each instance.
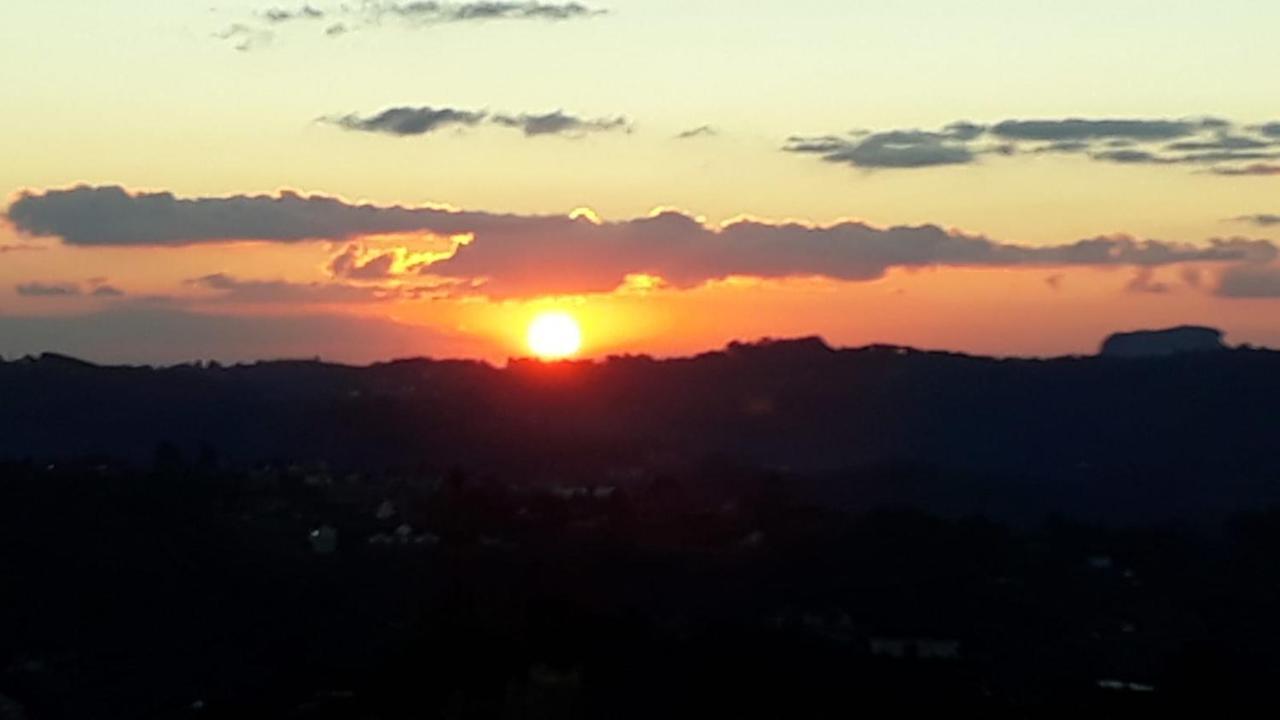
(523, 255)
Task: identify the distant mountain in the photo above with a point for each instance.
(1185, 434)
(1154, 343)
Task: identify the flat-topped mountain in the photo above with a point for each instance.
(1152, 343)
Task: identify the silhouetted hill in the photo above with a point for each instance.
(1184, 435)
(1147, 343)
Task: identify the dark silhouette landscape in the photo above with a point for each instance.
(776, 529)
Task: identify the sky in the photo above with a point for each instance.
(364, 180)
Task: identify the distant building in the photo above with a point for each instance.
(901, 648)
(324, 540)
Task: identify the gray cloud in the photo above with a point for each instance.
(700, 131)
(1254, 169)
(438, 12)
(370, 13)
(893, 149)
(42, 289)
(1082, 129)
(98, 287)
(233, 289)
(409, 120)
(1210, 141)
(1271, 129)
(280, 15)
(1260, 219)
(1250, 281)
(524, 255)
(560, 123)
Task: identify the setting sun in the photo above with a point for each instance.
(554, 335)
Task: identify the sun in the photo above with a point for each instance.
(554, 335)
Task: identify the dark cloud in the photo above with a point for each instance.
(1254, 169)
(108, 291)
(1221, 142)
(560, 123)
(233, 289)
(1250, 280)
(894, 149)
(700, 131)
(410, 120)
(370, 13)
(1213, 142)
(1260, 219)
(521, 255)
(1271, 129)
(1131, 157)
(94, 216)
(42, 289)
(438, 12)
(1081, 129)
(280, 15)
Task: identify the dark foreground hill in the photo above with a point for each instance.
(636, 539)
(1189, 435)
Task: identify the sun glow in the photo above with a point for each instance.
(554, 335)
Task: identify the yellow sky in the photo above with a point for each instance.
(143, 95)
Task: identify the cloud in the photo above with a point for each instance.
(409, 120)
(112, 216)
(21, 247)
(509, 255)
(1207, 141)
(1144, 281)
(700, 131)
(245, 37)
(894, 149)
(438, 12)
(1271, 129)
(351, 17)
(1250, 280)
(41, 289)
(1082, 129)
(233, 289)
(560, 123)
(98, 287)
(280, 15)
(141, 332)
(1260, 219)
(1256, 169)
